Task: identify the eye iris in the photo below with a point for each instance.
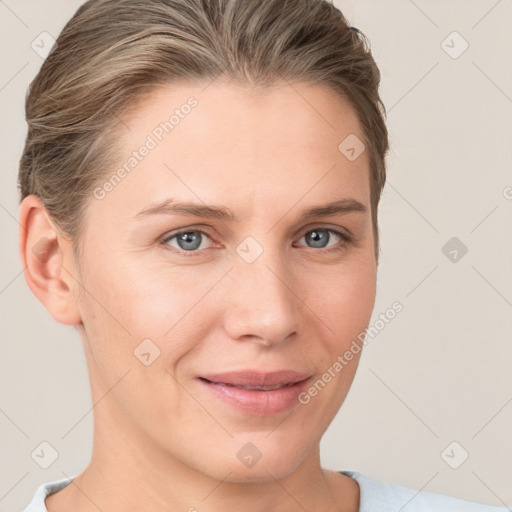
(318, 236)
(191, 240)
(190, 237)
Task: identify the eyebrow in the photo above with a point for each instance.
(172, 207)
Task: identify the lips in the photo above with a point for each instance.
(256, 393)
(250, 379)
(255, 388)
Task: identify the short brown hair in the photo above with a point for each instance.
(112, 52)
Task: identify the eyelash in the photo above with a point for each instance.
(346, 239)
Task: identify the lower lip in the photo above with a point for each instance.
(258, 402)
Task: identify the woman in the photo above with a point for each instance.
(200, 185)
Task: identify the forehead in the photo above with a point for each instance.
(224, 142)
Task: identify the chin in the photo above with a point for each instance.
(256, 459)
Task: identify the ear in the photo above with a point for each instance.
(48, 262)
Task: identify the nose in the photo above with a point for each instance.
(263, 307)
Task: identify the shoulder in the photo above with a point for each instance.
(386, 497)
(44, 490)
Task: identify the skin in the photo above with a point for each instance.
(162, 442)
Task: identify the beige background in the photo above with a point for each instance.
(440, 371)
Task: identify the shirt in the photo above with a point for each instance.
(375, 496)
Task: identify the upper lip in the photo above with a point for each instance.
(255, 378)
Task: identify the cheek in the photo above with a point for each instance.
(130, 303)
(342, 302)
(142, 311)
(344, 299)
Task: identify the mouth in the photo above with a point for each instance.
(257, 379)
(252, 388)
(255, 393)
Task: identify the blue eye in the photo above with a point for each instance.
(191, 241)
(320, 237)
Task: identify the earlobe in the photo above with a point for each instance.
(48, 262)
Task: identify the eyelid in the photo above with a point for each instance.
(345, 235)
(167, 237)
(345, 238)
(338, 229)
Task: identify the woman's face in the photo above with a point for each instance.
(253, 284)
